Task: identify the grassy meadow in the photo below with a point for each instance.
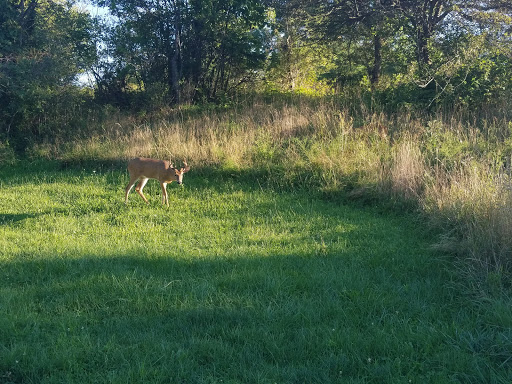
(233, 283)
(306, 246)
(455, 169)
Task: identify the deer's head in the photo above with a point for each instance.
(181, 171)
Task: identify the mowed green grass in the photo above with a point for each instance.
(233, 283)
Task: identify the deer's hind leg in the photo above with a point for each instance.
(139, 187)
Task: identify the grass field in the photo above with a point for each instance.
(455, 169)
(236, 282)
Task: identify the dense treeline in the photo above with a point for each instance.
(423, 54)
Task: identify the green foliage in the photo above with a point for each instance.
(46, 45)
(484, 82)
(7, 155)
(198, 49)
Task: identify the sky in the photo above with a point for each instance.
(92, 9)
(86, 78)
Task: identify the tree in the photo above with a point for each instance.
(209, 45)
(424, 17)
(353, 20)
(43, 46)
(224, 42)
(478, 52)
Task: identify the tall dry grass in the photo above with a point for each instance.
(449, 169)
(477, 201)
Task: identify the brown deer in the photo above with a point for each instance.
(161, 170)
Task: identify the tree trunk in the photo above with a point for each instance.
(176, 56)
(377, 62)
(423, 35)
(174, 78)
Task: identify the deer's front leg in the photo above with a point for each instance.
(129, 188)
(165, 198)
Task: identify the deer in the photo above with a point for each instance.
(161, 170)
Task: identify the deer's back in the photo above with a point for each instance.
(150, 168)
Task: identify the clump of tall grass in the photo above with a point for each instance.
(408, 170)
(477, 201)
(449, 169)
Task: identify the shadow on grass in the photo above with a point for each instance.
(316, 318)
(285, 319)
(10, 219)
